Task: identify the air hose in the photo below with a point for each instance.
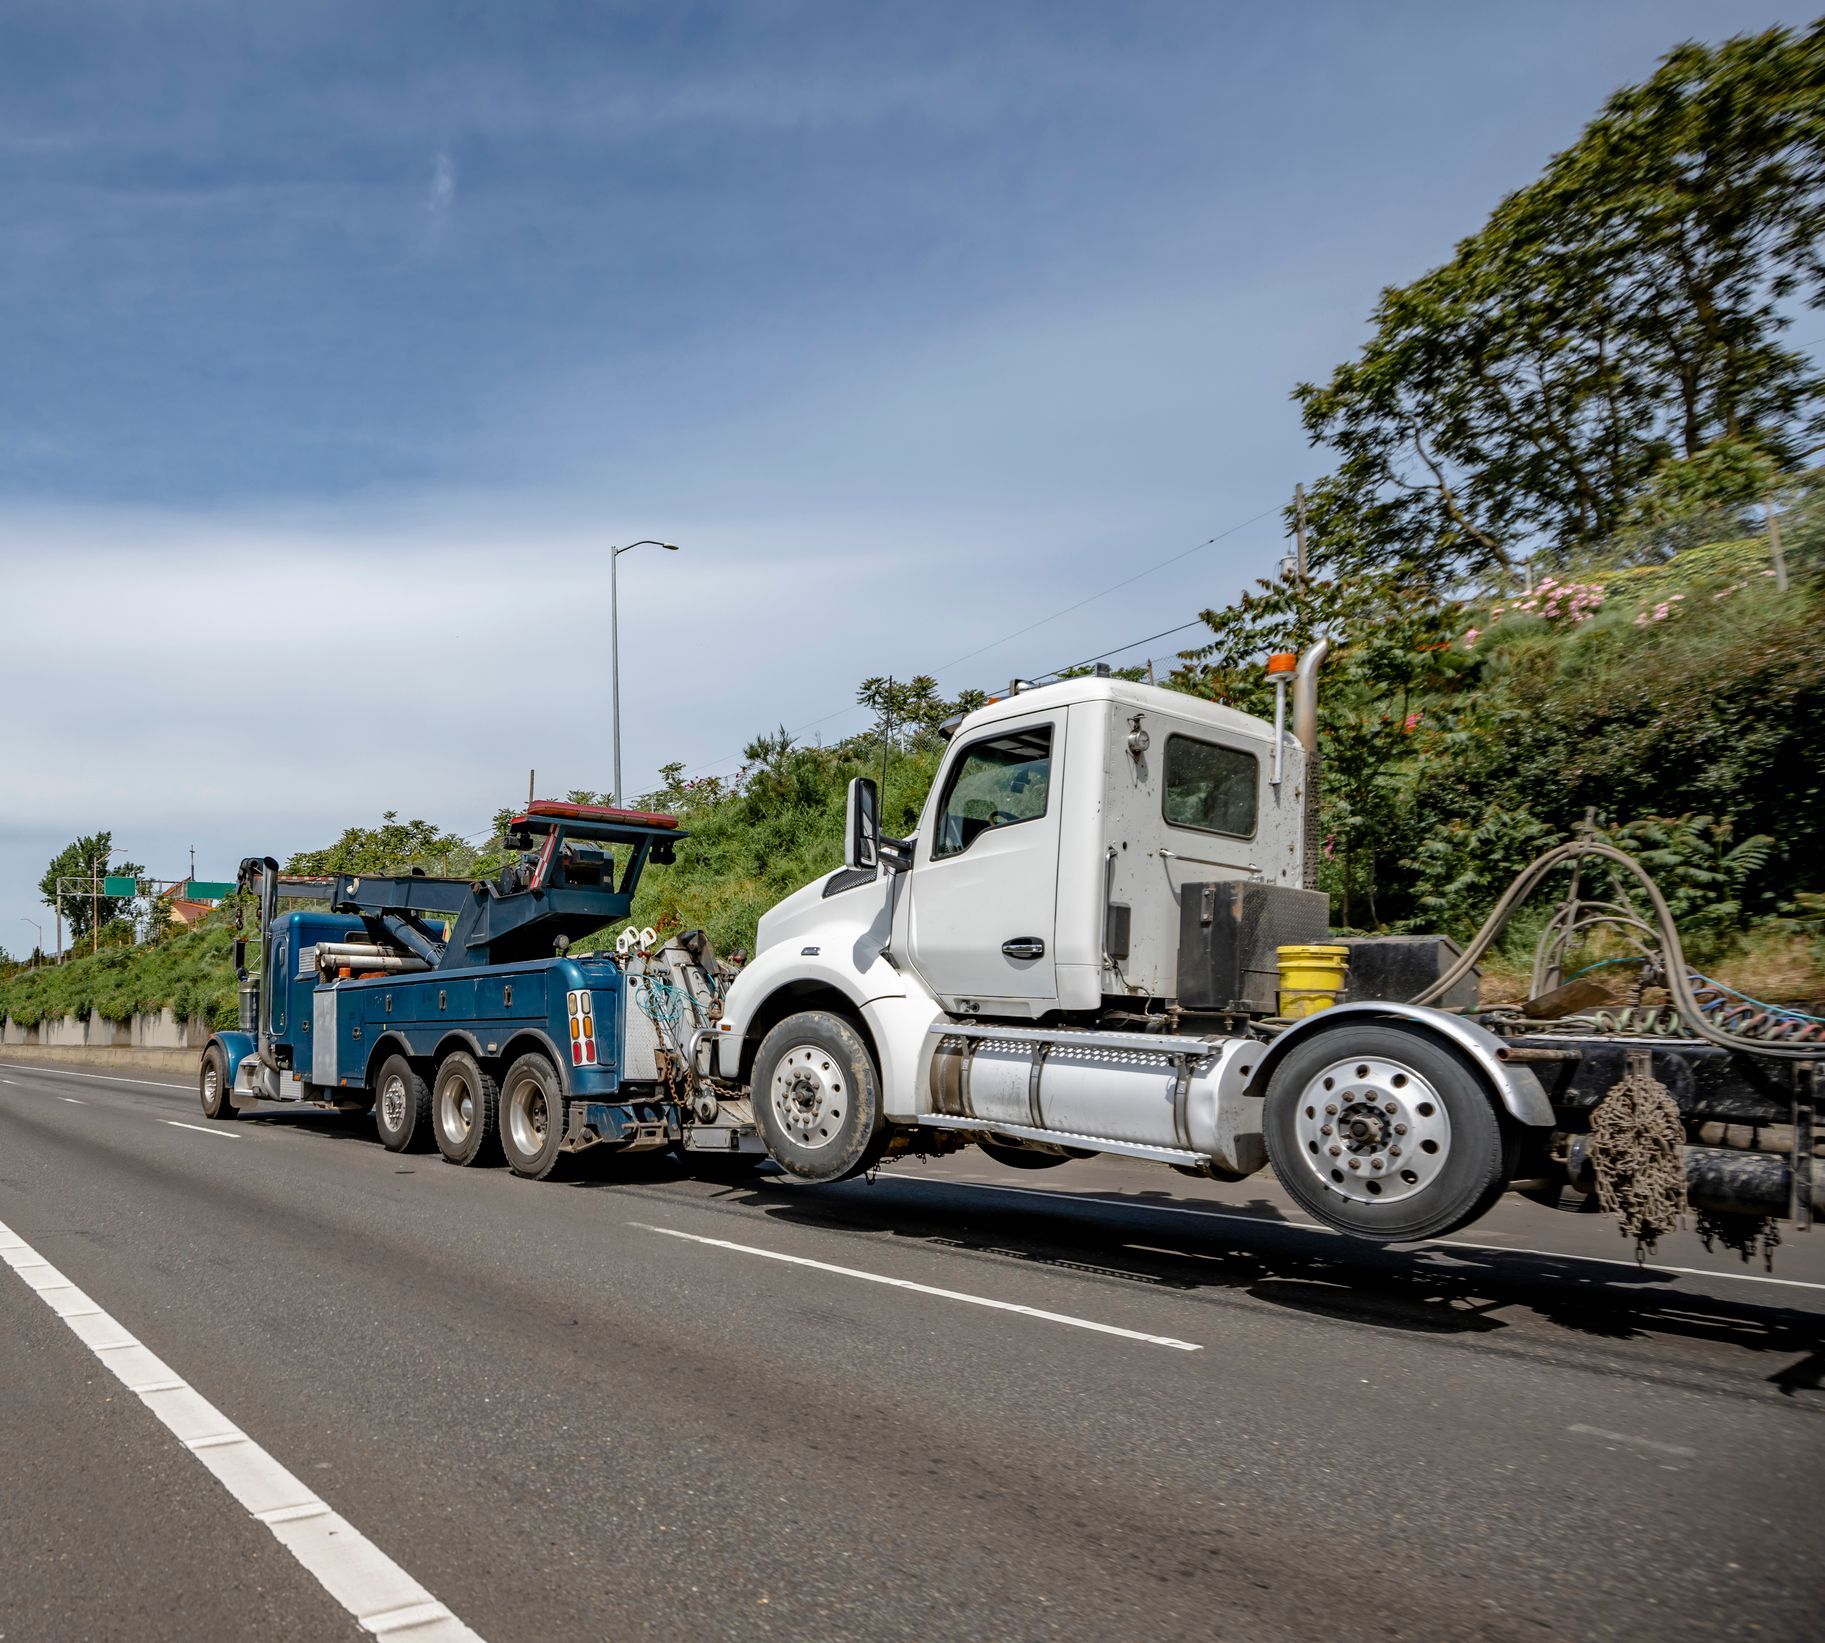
(1660, 929)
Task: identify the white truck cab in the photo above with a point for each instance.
(1075, 954)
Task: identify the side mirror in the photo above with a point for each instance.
(240, 958)
(862, 825)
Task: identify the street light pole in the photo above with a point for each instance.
(614, 644)
(40, 929)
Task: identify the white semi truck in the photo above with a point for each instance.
(1076, 954)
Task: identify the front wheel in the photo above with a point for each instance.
(213, 1086)
(1385, 1133)
(817, 1098)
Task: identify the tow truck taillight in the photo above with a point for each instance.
(582, 1028)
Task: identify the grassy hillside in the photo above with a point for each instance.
(1681, 701)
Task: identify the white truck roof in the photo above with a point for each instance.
(1125, 695)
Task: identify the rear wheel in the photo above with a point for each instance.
(532, 1117)
(1385, 1133)
(402, 1106)
(463, 1107)
(817, 1098)
(213, 1086)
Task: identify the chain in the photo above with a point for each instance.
(1636, 1134)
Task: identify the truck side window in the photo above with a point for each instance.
(1211, 789)
(996, 782)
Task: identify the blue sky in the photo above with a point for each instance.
(341, 341)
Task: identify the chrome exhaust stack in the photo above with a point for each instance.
(1305, 732)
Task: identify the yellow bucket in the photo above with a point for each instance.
(1311, 978)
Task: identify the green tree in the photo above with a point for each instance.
(86, 859)
(1623, 311)
(392, 847)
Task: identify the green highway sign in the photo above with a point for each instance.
(115, 885)
(206, 890)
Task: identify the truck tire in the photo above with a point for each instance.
(212, 1085)
(402, 1106)
(464, 1105)
(532, 1116)
(1385, 1133)
(817, 1098)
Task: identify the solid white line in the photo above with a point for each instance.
(105, 1078)
(928, 1289)
(1639, 1443)
(1331, 1232)
(381, 1596)
(201, 1129)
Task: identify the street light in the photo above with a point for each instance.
(614, 643)
(40, 929)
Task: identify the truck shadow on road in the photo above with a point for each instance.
(1460, 1291)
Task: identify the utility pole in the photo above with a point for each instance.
(1774, 546)
(532, 781)
(1299, 527)
(94, 906)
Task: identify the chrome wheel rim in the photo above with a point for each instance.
(1372, 1129)
(393, 1102)
(809, 1096)
(212, 1081)
(528, 1117)
(455, 1110)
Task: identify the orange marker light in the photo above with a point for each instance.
(1282, 661)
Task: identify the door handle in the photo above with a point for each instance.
(1024, 947)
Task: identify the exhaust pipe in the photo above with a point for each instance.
(1305, 732)
(1305, 697)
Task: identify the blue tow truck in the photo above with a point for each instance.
(456, 1010)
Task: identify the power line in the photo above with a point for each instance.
(995, 644)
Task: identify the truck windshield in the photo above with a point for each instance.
(997, 782)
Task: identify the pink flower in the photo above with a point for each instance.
(1471, 637)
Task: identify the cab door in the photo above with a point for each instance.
(983, 892)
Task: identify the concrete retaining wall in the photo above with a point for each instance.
(152, 1030)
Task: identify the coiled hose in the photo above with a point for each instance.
(1690, 1007)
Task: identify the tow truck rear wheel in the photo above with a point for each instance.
(532, 1117)
(402, 1106)
(817, 1098)
(464, 1103)
(1385, 1133)
(213, 1086)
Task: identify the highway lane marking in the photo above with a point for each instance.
(382, 1597)
(1068, 1198)
(73, 1101)
(104, 1078)
(1655, 1444)
(201, 1129)
(928, 1289)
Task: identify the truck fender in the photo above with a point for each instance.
(235, 1048)
(1517, 1088)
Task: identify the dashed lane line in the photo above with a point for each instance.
(1634, 1442)
(1068, 1199)
(382, 1597)
(201, 1129)
(103, 1078)
(928, 1289)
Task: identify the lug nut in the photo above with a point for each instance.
(1390, 1109)
(1394, 1152)
(1355, 1163)
(1336, 1152)
(1375, 1164)
(1331, 1110)
(1324, 1129)
(1400, 1129)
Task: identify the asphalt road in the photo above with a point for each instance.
(957, 1402)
